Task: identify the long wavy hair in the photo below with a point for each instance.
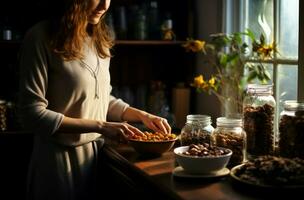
(70, 28)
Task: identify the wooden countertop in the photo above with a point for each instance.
(224, 188)
(16, 149)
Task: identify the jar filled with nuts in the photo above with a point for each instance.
(229, 133)
(259, 115)
(3, 108)
(291, 130)
(197, 130)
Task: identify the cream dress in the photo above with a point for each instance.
(62, 166)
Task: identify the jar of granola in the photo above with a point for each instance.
(197, 130)
(229, 133)
(259, 115)
(291, 130)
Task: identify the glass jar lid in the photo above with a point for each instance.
(2, 101)
(203, 119)
(229, 122)
(293, 105)
(260, 89)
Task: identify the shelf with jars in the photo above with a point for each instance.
(150, 19)
(149, 42)
(148, 52)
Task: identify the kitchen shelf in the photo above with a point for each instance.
(4, 43)
(148, 42)
(11, 44)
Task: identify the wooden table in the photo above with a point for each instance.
(160, 170)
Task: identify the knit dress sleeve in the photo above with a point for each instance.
(116, 108)
(33, 83)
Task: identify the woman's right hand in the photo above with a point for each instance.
(119, 131)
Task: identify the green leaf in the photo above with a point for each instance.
(267, 75)
(219, 40)
(232, 57)
(243, 82)
(260, 76)
(249, 66)
(262, 39)
(252, 75)
(250, 34)
(237, 38)
(234, 60)
(223, 59)
(260, 68)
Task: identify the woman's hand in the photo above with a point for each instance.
(153, 122)
(156, 123)
(119, 131)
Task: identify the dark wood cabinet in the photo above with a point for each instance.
(8, 69)
(138, 65)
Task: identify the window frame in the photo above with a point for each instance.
(233, 13)
(301, 55)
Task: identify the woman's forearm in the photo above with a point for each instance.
(76, 125)
(132, 114)
(113, 130)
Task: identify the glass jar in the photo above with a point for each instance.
(229, 133)
(259, 115)
(3, 110)
(197, 130)
(291, 130)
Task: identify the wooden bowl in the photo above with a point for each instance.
(153, 143)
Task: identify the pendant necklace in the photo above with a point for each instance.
(93, 73)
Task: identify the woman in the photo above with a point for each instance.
(65, 100)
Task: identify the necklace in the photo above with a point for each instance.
(93, 73)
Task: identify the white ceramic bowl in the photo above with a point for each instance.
(199, 164)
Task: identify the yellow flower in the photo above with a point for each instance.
(199, 80)
(212, 82)
(195, 45)
(266, 50)
(201, 84)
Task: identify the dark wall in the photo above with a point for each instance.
(20, 15)
(17, 17)
(209, 20)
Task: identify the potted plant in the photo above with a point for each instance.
(229, 55)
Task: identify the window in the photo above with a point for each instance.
(282, 21)
(278, 20)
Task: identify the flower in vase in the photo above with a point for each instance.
(228, 55)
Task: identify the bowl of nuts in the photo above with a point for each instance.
(202, 158)
(153, 143)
